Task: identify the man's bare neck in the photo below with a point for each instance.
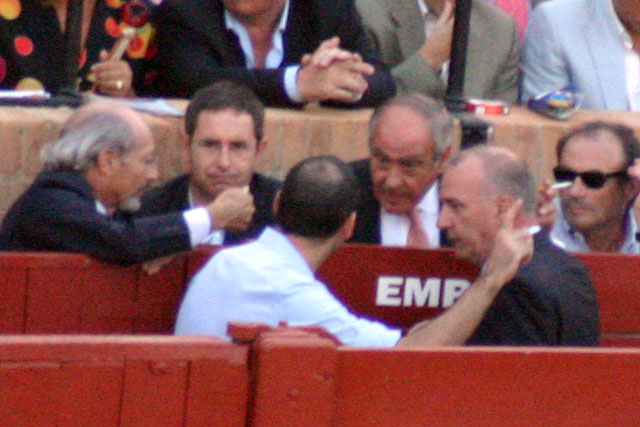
(608, 239)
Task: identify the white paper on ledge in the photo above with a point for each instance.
(155, 106)
(20, 94)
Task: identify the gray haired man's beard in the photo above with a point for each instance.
(131, 205)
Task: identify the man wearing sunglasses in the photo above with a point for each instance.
(594, 212)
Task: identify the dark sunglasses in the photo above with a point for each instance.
(592, 179)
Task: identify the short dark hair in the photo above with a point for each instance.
(624, 134)
(317, 197)
(225, 95)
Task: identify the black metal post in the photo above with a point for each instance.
(455, 85)
(68, 93)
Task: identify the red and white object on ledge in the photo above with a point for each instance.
(483, 106)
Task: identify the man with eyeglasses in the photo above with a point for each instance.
(595, 204)
(410, 140)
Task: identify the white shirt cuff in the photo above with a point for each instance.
(199, 225)
(291, 83)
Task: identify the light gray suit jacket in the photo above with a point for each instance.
(576, 42)
(397, 30)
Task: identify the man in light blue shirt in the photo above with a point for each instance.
(595, 211)
(272, 279)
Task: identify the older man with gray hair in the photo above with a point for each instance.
(90, 183)
(410, 138)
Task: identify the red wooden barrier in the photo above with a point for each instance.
(307, 380)
(129, 381)
(70, 293)
(397, 285)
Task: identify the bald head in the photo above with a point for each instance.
(505, 171)
(478, 186)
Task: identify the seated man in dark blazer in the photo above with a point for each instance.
(90, 183)
(289, 52)
(410, 140)
(224, 126)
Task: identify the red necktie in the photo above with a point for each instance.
(417, 237)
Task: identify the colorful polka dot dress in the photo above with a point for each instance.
(32, 44)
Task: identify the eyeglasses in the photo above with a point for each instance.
(592, 179)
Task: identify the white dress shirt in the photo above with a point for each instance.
(268, 281)
(197, 220)
(631, 65)
(571, 240)
(394, 228)
(274, 56)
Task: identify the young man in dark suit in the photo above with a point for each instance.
(224, 125)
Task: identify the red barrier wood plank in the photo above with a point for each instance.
(154, 393)
(294, 379)
(56, 394)
(54, 299)
(108, 299)
(218, 391)
(618, 284)
(488, 387)
(159, 296)
(13, 299)
(122, 380)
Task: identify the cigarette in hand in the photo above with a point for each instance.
(121, 44)
(561, 184)
(534, 229)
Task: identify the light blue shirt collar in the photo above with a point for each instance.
(571, 240)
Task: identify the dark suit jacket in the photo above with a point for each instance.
(550, 301)
(367, 228)
(173, 197)
(58, 213)
(196, 49)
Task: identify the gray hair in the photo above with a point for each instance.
(509, 174)
(81, 141)
(436, 117)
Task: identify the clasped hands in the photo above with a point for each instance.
(332, 74)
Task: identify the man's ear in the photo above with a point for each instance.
(261, 145)
(108, 161)
(503, 203)
(632, 189)
(276, 203)
(444, 159)
(346, 230)
(185, 150)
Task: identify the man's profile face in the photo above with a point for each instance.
(222, 152)
(587, 209)
(402, 163)
(469, 212)
(137, 169)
